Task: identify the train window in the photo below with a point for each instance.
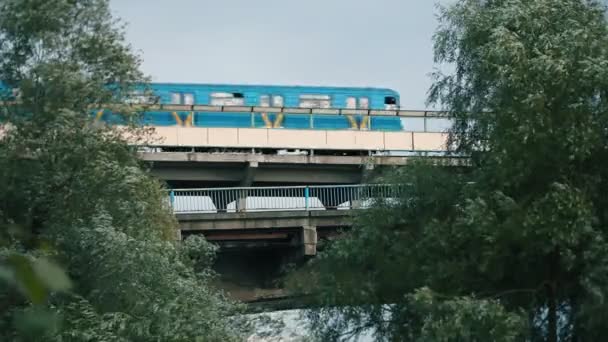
(351, 102)
(264, 101)
(363, 103)
(390, 100)
(238, 99)
(188, 99)
(277, 101)
(139, 97)
(315, 101)
(176, 98)
(220, 99)
(227, 99)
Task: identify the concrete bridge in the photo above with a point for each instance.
(267, 196)
(260, 230)
(274, 213)
(296, 232)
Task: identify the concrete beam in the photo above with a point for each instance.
(268, 173)
(249, 168)
(204, 157)
(263, 220)
(196, 174)
(309, 176)
(245, 236)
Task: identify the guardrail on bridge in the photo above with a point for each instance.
(284, 198)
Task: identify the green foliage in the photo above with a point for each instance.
(36, 278)
(62, 53)
(81, 198)
(458, 319)
(526, 225)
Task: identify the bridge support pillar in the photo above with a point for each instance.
(309, 240)
(249, 173)
(246, 181)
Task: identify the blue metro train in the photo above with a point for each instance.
(274, 96)
(184, 95)
(266, 96)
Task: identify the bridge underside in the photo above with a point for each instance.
(263, 230)
(256, 247)
(201, 169)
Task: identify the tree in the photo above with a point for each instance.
(75, 194)
(526, 225)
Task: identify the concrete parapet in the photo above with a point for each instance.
(300, 139)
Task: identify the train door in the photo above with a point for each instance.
(268, 100)
(365, 122)
(353, 102)
(183, 98)
(363, 102)
(264, 101)
(188, 99)
(358, 121)
(277, 101)
(180, 98)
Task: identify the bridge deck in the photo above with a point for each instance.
(276, 229)
(247, 168)
(268, 220)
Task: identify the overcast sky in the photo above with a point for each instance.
(379, 43)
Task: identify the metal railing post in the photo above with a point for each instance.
(172, 198)
(424, 122)
(306, 198)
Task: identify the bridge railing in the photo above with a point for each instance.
(285, 198)
(305, 118)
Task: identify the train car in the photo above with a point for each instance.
(269, 96)
(261, 96)
(257, 95)
(274, 96)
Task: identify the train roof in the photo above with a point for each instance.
(293, 88)
(268, 86)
